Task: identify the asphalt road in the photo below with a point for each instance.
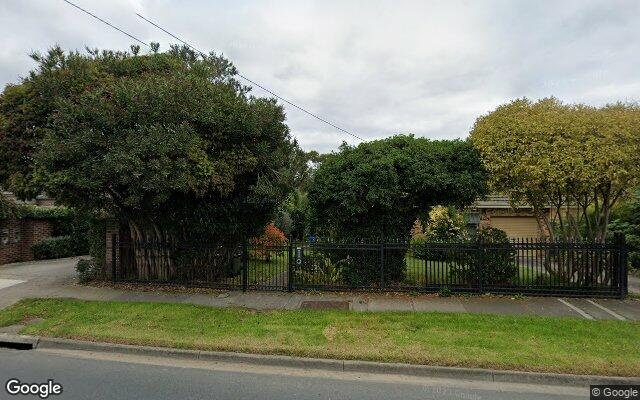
(85, 375)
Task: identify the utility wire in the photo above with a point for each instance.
(204, 54)
(105, 22)
(254, 82)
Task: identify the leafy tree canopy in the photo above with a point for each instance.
(552, 154)
(27, 108)
(378, 188)
(169, 142)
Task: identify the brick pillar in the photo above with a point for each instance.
(113, 228)
(10, 241)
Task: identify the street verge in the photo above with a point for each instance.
(352, 366)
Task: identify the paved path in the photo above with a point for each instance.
(85, 375)
(56, 279)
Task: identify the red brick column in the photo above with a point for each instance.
(10, 238)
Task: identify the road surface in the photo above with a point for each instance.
(87, 375)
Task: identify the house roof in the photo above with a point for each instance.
(496, 201)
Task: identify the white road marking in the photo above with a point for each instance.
(5, 283)
(605, 309)
(576, 309)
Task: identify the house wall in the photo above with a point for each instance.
(517, 223)
(17, 236)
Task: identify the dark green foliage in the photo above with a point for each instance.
(425, 248)
(168, 142)
(418, 246)
(492, 263)
(376, 190)
(96, 235)
(293, 217)
(87, 270)
(59, 247)
(9, 209)
(26, 109)
(626, 220)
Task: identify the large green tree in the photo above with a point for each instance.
(27, 107)
(377, 189)
(579, 160)
(169, 143)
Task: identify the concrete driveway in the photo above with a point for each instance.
(35, 279)
(56, 279)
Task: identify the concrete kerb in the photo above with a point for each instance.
(354, 366)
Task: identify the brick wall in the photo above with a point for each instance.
(17, 236)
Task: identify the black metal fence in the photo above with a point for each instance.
(520, 266)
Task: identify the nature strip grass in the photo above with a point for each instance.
(545, 344)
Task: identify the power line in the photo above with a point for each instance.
(105, 22)
(204, 54)
(254, 82)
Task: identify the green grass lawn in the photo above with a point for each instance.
(261, 271)
(568, 345)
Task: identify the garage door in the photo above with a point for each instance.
(517, 227)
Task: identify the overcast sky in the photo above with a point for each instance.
(375, 68)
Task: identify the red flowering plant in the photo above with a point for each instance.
(271, 240)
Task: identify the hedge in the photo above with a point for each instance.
(59, 247)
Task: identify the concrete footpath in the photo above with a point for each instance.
(56, 279)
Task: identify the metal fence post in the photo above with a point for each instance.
(114, 252)
(245, 266)
(381, 263)
(621, 266)
(479, 264)
(291, 264)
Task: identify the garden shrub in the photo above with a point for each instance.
(87, 270)
(446, 225)
(488, 266)
(271, 240)
(96, 240)
(318, 269)
(58, 247)
(375, 191)
(419, 247)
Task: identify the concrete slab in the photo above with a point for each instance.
(359, 303)
(590, 309)
(379, 304)
(260, 301)
(324, 305)
(208, 300)
(548, 307)
(502, 306)
(441, 304)
(630, 309)
(296, 299)
(5, 283)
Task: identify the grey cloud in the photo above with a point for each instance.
(373, 67)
